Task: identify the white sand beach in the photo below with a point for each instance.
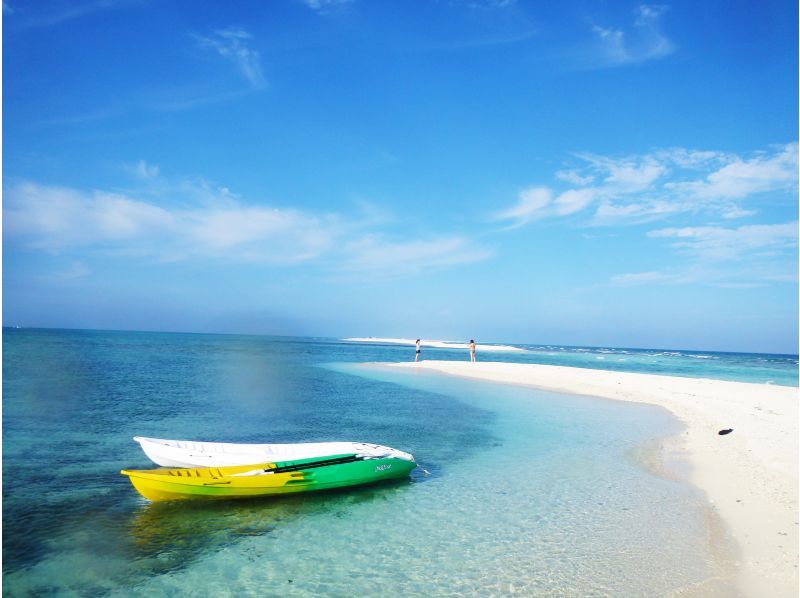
(750, 476)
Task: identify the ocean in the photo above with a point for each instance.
(518, 490)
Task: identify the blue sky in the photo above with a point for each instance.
(591, 173)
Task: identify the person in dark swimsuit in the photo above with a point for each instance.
(418, 345)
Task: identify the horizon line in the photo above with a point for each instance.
(343, 339)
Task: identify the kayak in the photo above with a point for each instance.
(267, 479)
(189, 453)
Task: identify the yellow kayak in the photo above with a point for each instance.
(265, 479)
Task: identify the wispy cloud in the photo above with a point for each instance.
(57, 219)
(626, 175)
(143, 170)
(186, 220)
(90, 116)
(574, 177)
(486, 4)
(323, 6)
(187, 99)
(326, 6)
(740, 178)
(386, 258)
(232, 44)
(480, 41)
(229, 43)
(75, 271)
(639, 42)
(714, 243)
(680, 184)
(744, 257)
(609, 191)
(532, 204)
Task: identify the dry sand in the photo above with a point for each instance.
(750, 476)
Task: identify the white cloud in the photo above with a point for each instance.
(75, 271)
(143, 170)
(744, 257)
(539, 202)
(323, 6)
(688, 184)
(530, 205)
(190, 220)
(574, 177)
(627, 174)
(636, 189)
(54, 218)
(691, 159)
(741, 178)
(737, 212)
(232, 44)
(57, 219)
(632, 177)
(258, 233)
(715, 243)
(638, 43)
(611, 212)
(573, 201)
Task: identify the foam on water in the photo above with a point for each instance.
(756, 368)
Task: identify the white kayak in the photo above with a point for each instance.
(189, 453)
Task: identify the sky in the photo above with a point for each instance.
(578, 173)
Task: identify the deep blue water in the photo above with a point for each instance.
(518, 490)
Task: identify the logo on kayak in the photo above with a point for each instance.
(383, 467)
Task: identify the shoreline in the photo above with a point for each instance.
(749, 477)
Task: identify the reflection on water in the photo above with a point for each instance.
(166, 536)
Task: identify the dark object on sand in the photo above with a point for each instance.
(723, 432)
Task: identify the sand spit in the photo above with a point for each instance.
(434, 344)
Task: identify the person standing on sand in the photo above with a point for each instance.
(471, 350)
(417, 357)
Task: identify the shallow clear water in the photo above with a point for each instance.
(518, 490)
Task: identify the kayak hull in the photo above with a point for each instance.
(265, 479)
(189, 453)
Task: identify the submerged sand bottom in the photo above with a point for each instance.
(668, 458)
(749, 476)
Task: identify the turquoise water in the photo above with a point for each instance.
(757, 368)
(518, 490)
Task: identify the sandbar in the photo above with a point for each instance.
(435, 344)
(749, 476)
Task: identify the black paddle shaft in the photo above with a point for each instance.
(314, 464)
